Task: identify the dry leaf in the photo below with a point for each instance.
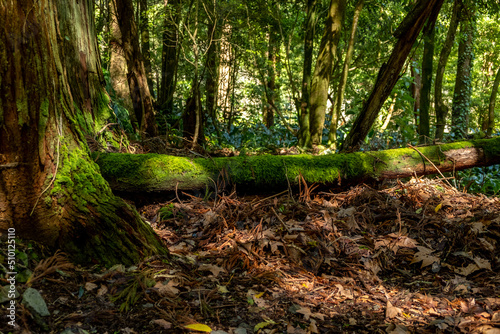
(162, 323)
(102, 291)
(168, 289)
(423, 255)
(214, 269)
(391, 311)
(90, 286)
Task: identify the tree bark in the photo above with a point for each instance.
(303, 135)
(491, 106)
(169, 56)
(212, 71)
(136, 75)
(271, 93)
(416, 92)
(320, 81)
(463, 81)
(155, 173)
(441, 108)
(336, 111)
(406, 34)
(145, 47)
(425, 97)
(51, 98)
(118, 68)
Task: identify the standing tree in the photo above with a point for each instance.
(320, 81)
(440, 107)
(332, 136)
(136, 75)
(491, 106)
(463, 84)
(169, 55)
(118, 67)
(51, 99)
(388, 75)
(304, 135)
(425, 95)
(145, 43)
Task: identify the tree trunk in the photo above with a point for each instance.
(271, 94)
(169, 56)
(441, 108)
(212, 71)
(304, 135)
(416, 92)
(118, 68)
(491, 110)
(154, 173)
(145, 48)
(332, 136)
(51, 97)
(320, 81)
(406, 33)
(136, 76)
(463, 85)
(425, 97)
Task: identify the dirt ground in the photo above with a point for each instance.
(417, 257)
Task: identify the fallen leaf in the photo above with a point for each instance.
(199, 327)
(438, 207)
(90, 286)
(396, 329)
(391, 311)
(222, 289)
(162, 323)
(263, 324)
(214, 269)
(424, 255)
(102, 291)
(168, 289)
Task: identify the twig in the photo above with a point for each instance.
(177, 194)
(275, 195)
(281, 220)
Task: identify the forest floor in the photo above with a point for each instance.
(417, 257)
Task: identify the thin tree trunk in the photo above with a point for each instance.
(320, 81)
(145, 47)
(441, 108)
(271, 93)
(304, 135)
(139, 91)
(51, 97)
(491, 110)
(406, 34)
(463, 85)
(416, 92)
(118, 68)
(169, 56)
(212, 71)
(389, 114)
(425, 97)
(332, 136)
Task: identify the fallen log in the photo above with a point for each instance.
(156, 173)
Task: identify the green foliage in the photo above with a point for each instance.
(484, 180)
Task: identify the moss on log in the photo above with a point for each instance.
(155, 172)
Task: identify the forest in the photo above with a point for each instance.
(229, 166)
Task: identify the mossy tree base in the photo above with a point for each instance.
(51, 98)
(154, 172)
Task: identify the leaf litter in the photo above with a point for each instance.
(419, 257)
